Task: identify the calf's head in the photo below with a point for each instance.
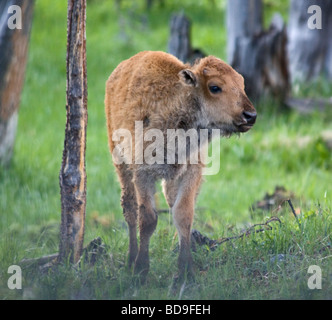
(220, 92)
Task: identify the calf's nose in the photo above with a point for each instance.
(250, 117)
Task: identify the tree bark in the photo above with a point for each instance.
(309, 50)
(13, 58)
(259, 55)
(179, 43)
(244, 20)
(73, 174)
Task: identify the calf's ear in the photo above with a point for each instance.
(188, 77)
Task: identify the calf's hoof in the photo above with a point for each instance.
(141, 269)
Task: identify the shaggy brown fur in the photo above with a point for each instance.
(164, 93)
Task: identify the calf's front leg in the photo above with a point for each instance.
(183, 216)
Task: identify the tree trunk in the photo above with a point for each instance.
(310, 40)
(179, 44)
(260, 56)
(14, 40)
(73, 174)
(244, 20)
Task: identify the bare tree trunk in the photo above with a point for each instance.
(13, 56)
(310, 40)
(244, 20)
(260, 56)
(179, 44)
(73, 174)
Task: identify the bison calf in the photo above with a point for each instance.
(162, 93)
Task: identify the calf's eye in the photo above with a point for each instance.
(215, 89)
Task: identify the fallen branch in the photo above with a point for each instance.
(213, 244)
(39, 261)
(198, 238)
(307, 105)
(293, 211)
(91, 253)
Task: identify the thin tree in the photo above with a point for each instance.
(73, 174)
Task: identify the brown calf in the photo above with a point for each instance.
(163, 93)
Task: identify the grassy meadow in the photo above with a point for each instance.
(283, 149)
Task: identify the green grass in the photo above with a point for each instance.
(284, 149)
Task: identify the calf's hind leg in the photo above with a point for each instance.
(147, 217)
(129, 206)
